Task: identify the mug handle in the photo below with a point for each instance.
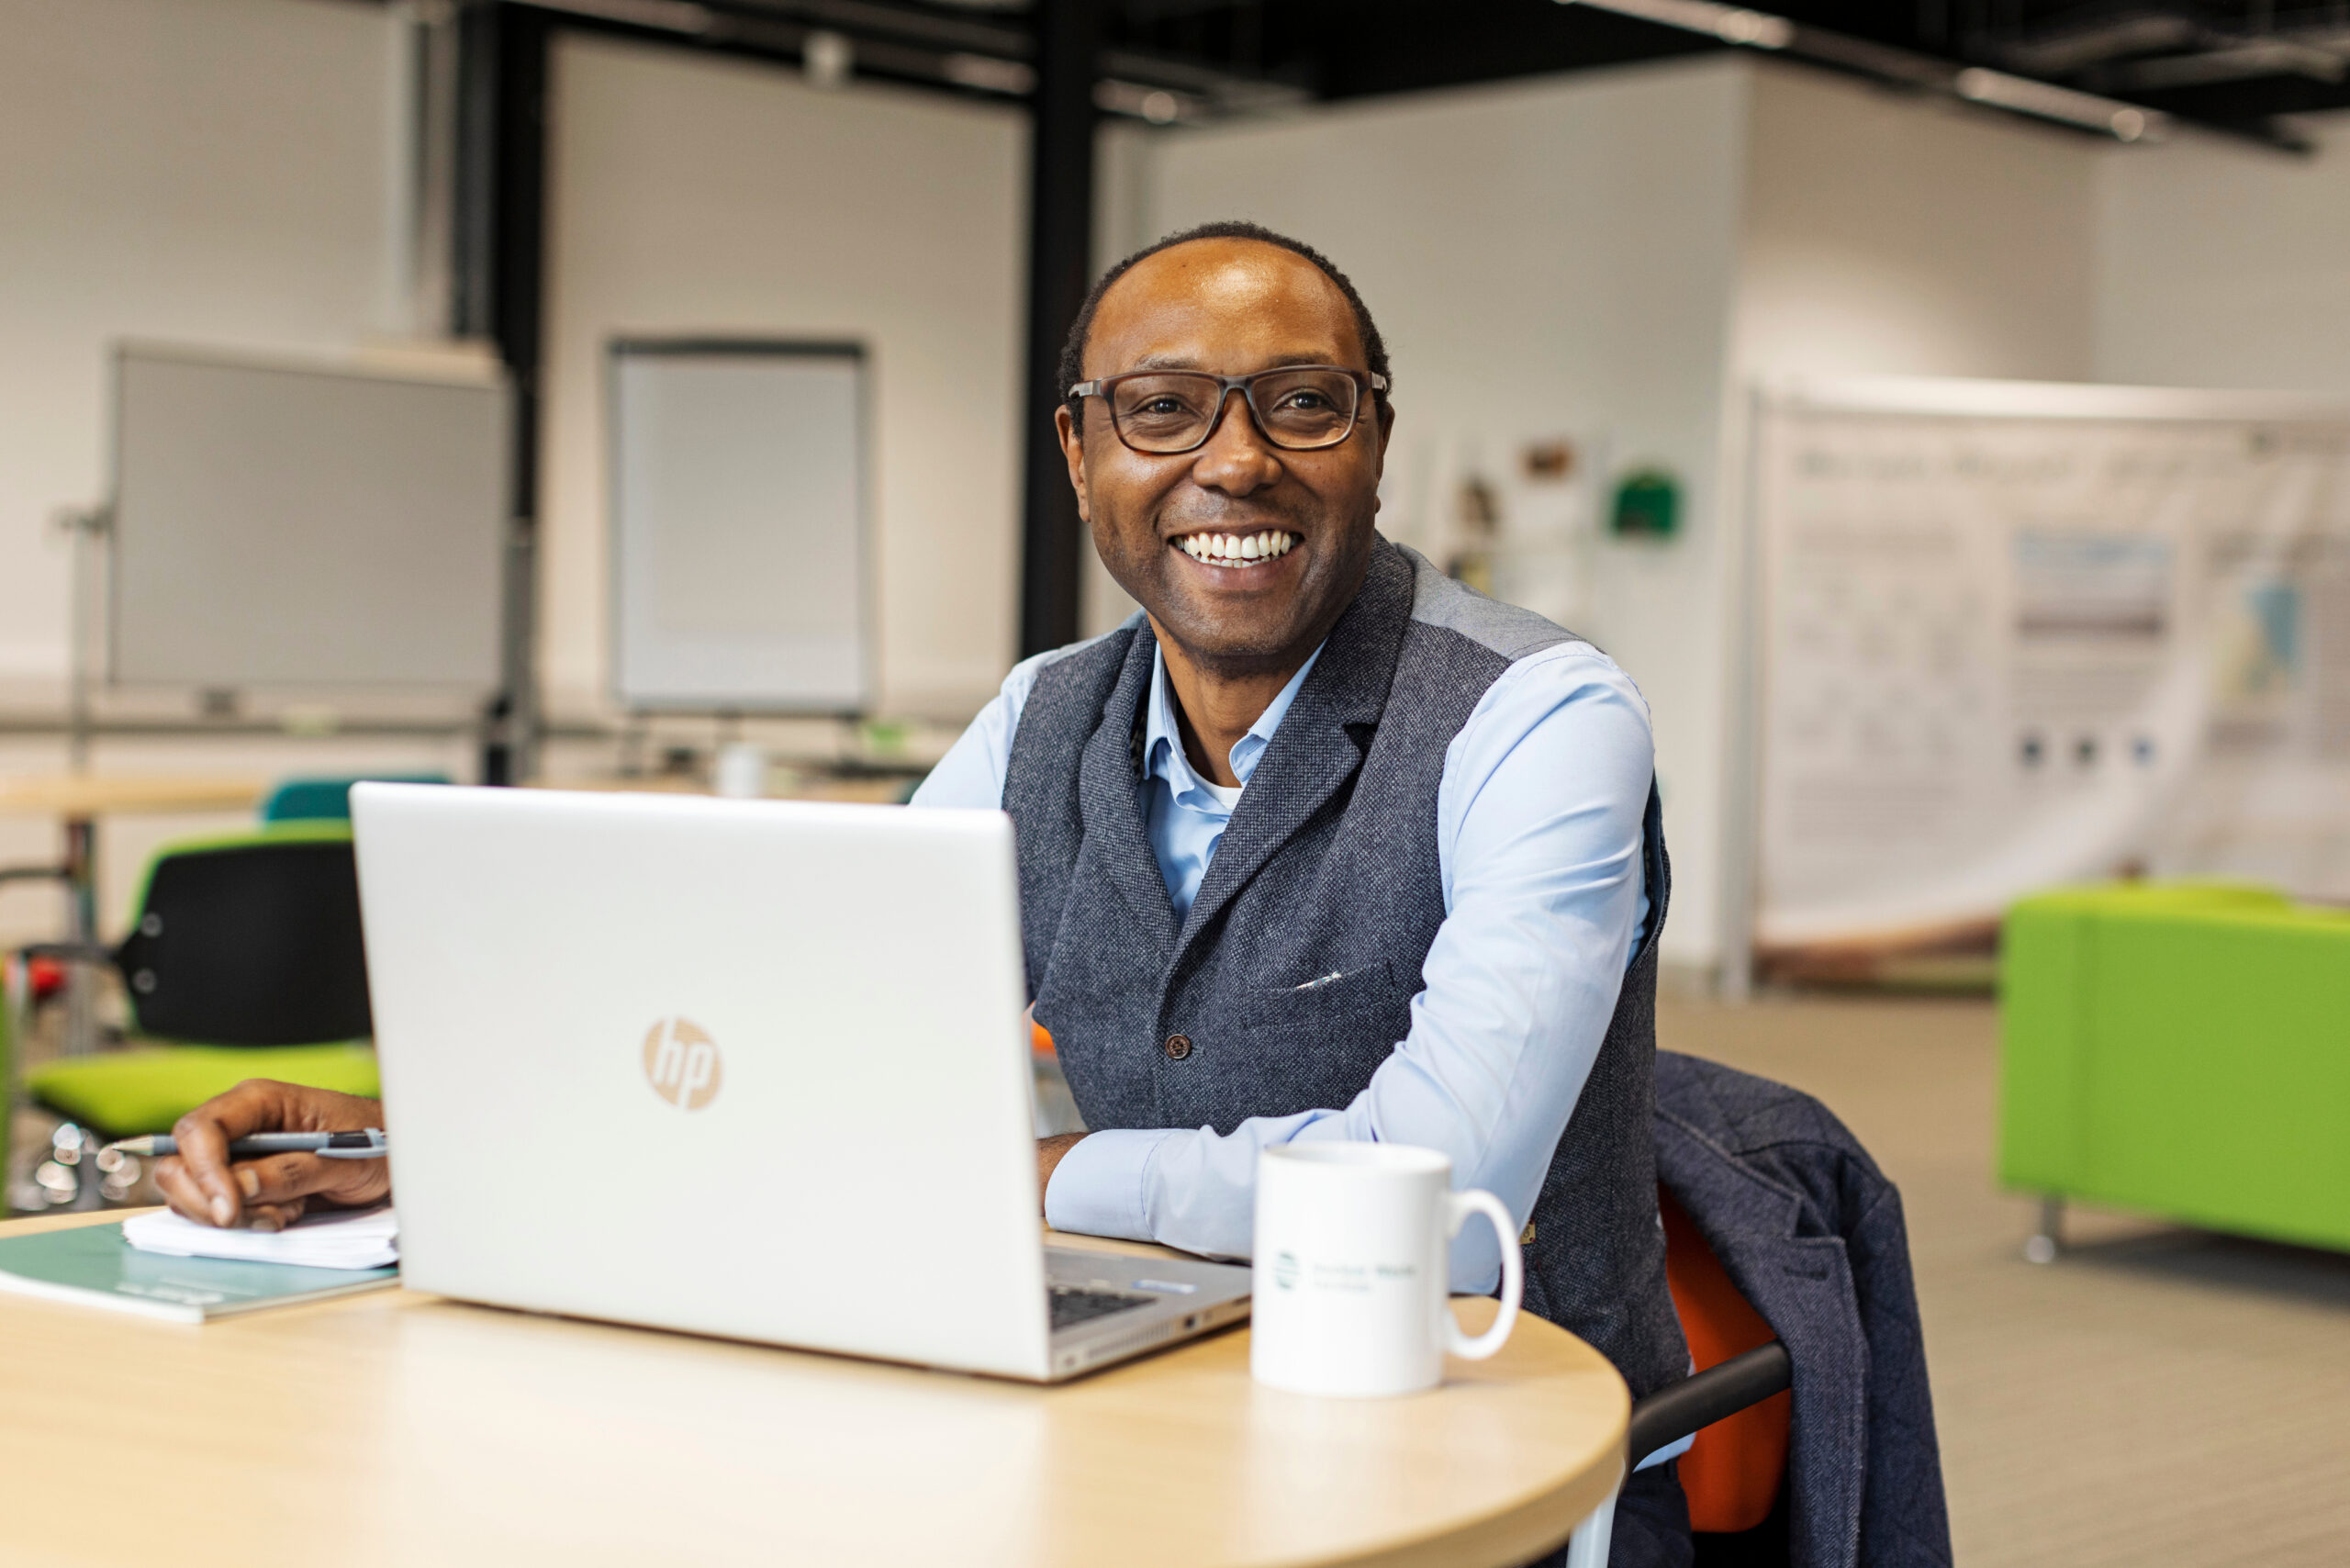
(1478, 1202)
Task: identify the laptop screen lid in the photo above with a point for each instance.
(753, 1068)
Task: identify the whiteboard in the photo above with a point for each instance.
(281, 523)
(2016, 634)
(739, 509)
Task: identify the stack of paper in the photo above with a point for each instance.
(335, 1238)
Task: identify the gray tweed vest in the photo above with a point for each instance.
(1328, 868)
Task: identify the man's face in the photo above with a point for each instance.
(1230, 307)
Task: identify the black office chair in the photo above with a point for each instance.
(252, 940)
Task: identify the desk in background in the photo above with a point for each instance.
(784, 784)
(399, 1429)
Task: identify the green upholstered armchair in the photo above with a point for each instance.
(2180, 1049)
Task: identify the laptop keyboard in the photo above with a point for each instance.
(1073, 1305)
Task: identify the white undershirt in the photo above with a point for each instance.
(1229, 798)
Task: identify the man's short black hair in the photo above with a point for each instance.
(1073, 369)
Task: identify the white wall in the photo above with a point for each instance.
(698, 195)
(1613, 254)
(1885, 234)
(1557, 255)
(220, 170)
(2225, 266)
(1891, 234)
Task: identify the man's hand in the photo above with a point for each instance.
(269, 1193)
(1048, 1154)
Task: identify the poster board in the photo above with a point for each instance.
(2014, 634)
(740, 522)
(283, 523)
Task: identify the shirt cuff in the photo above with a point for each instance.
(1097, 1189)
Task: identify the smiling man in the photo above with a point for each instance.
(1322, 845)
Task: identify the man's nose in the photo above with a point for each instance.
(1237, 458)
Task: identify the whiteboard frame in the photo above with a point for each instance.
(868, 556)
(421, 364)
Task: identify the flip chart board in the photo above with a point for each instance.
(739, 523)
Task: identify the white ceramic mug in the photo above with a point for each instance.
(1353, 1265)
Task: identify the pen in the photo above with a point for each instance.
(367, 1145)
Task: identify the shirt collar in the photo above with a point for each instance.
(1162, 747)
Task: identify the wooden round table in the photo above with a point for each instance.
(393, 1429)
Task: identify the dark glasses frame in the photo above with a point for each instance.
(1102, 388)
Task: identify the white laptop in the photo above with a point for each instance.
(750, 1068)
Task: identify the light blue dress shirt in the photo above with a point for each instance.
(1539, 818)
(1181, 810)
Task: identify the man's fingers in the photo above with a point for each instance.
(201, 1184)
(201, 1168)
(179, 1189)
(281, 1176)
(273, 1216)
(204, 1135)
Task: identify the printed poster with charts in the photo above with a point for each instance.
(2017, 633)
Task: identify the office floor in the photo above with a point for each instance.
(2155, 1396)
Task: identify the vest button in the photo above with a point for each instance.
(1177, 1046)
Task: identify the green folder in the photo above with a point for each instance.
(95, 1266)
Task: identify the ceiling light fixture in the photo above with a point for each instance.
(1993, 89)
(1731, 23)
(2123, 122)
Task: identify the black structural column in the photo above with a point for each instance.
(499, 278)
(1060, 244)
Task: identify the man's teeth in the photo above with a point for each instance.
(1237, 549)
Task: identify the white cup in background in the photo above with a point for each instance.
(1353, 1265)
(742, 771)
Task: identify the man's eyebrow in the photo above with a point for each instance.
(1189, 362)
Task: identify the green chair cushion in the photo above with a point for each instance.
(145, 1089)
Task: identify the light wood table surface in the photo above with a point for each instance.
(84, 795)
(398, 1428)
(870, 790)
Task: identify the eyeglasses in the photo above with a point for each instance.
(1301, 408)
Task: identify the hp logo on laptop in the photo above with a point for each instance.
(681, 1063)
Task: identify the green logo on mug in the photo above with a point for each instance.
(1285, 1271)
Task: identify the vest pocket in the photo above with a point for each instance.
(1335, 1005)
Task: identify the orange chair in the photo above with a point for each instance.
(1734, 1467)
(1735, 1407)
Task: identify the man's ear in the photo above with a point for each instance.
(1073, 451)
